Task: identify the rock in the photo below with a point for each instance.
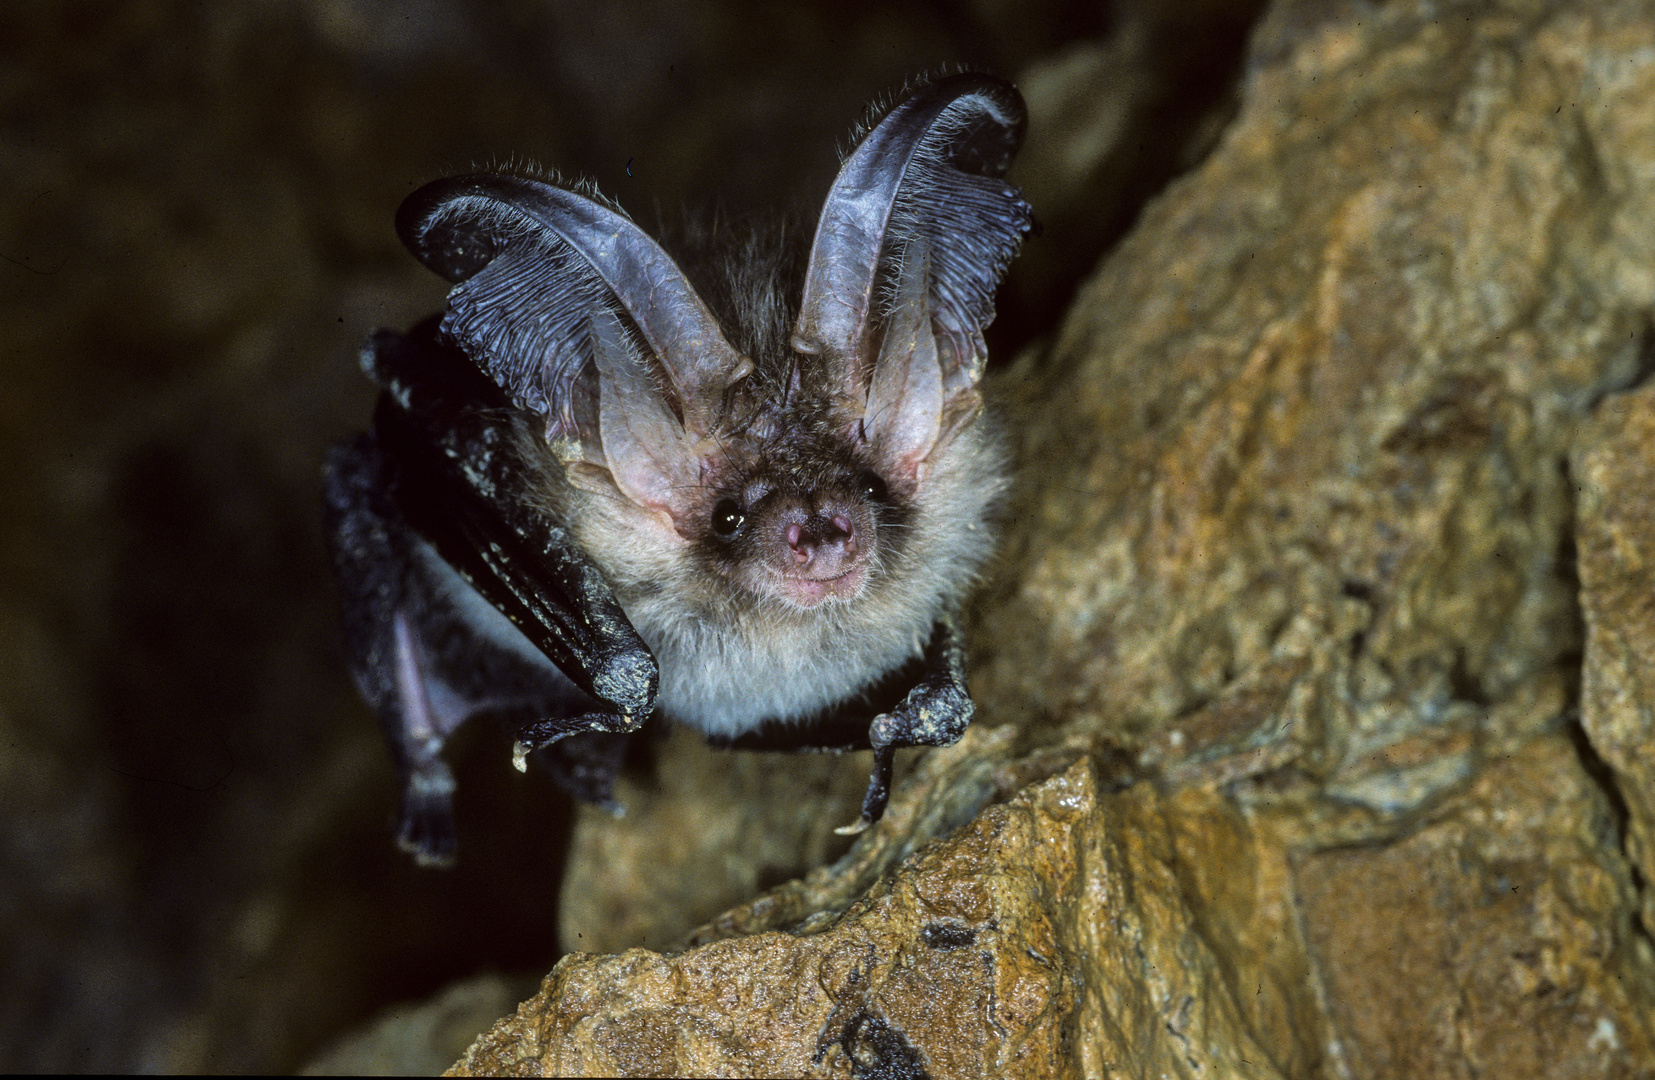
(419, 1039)
(1055, 913)
(1277, 770)
(1497, 940)
(1614, 466)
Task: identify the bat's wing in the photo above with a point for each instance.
(460, 598)
(445, 424)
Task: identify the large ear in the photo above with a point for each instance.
(915, 236)
(551, 285)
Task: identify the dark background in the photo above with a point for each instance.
(195, 234)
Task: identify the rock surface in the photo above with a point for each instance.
(1296, 757)
(420, 1040)
(985, 954)
(1500, 939)
(1614, 467)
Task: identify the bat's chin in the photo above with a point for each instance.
(806, 593)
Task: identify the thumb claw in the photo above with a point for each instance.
(856, 828)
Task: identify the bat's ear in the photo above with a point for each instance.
(582, 319)
(915, 236)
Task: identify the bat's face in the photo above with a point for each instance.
(802, 528)
(789, 510)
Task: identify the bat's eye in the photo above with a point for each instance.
(727, 517)
(873, 488)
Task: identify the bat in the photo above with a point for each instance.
(594, 491)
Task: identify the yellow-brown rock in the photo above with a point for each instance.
(1614, 467)
(691, 817)
(1497, 940)
(1054, 913)
(1280, 769)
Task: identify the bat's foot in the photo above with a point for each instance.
(878, 793)
(425, 828)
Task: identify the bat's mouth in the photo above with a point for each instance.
(813, 592)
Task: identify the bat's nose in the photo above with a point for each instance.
(823, 544)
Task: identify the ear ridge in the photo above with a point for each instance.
(524, 319)
(971, 227)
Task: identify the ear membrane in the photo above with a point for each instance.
(536, 267)
(925, 184)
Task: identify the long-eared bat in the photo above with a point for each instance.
(592, 490)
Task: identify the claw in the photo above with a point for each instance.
(878, 793)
